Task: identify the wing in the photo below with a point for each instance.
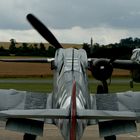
(114, 113)
(36, 113)
(120, 106)
(125, 64)
(122, 101)
(29, 60)
(27, 112)
(31, 121)
(108, 115)
(120, 64)
(23, 100)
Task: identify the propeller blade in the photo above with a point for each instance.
(43, 30)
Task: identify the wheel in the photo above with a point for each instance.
(103, 88)
(29, 137)
(113, 137)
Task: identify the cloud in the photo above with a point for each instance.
(66, 14)
(20, 36)
(72, 21)
(79, 35)
(101, 35)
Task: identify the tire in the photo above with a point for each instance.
(113, 137)
(29, 137)
(100, 89)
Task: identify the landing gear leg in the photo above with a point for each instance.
(113, 137)
(105, 85)
(29, 137)
(103, 88)
(100, 89)
(131, 84)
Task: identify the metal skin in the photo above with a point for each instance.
(71, 90)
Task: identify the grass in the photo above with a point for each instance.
(48, 87)
(116, 87)
(35, 87)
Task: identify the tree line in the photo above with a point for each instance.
(27, 49)
(122, 50)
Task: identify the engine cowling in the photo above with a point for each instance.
(101, 69)
(136, 58)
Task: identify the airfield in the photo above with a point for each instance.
(15, 70)
(26, 70)
(52, 133)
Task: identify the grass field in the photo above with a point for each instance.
(36, 87)
(48, 87)
(116, 87)
(37, 70)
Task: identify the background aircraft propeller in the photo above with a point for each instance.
(43, 30)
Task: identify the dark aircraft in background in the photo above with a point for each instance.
(102, 68)
(70, 106)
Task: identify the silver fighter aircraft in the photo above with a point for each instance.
(70, 106)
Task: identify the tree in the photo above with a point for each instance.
(128, 42)
(25, 49)
(42, 49)
(51, 51)
(3, 51)
(12, 47)
(86, 47)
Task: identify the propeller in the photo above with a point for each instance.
(43, 30)
(101, 69)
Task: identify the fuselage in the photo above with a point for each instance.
(70, 65)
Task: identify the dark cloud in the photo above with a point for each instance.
(66, 14)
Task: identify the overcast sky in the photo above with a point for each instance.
(71, 21)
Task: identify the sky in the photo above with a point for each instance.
(71, 21)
